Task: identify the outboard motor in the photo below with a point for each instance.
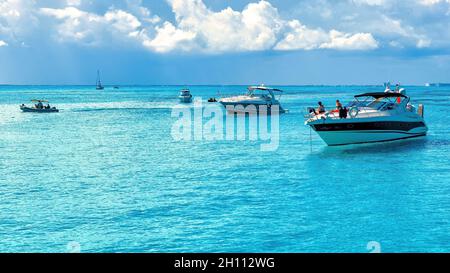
(421, 110)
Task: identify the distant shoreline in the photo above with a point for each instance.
(218, 85)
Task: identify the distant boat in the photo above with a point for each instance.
(257, 96)
(438, 84)
(98, 84)
(39, 107)
(185, 96)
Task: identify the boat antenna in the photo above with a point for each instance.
(98, 77)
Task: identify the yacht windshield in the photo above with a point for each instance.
(259, 93)
(377, 104)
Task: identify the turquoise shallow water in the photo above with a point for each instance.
(106, 173)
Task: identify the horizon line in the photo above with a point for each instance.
(113, 85)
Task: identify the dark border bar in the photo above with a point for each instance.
(199, 262)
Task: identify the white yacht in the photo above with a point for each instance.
(257, 96)
(372, 117)
(185, 96)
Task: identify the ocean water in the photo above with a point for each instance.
(106, 175)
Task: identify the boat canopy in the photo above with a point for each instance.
(262, 87)
(378, 95)
(39, 100)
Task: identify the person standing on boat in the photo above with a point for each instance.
(338, 105)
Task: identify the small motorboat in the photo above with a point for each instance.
(256, 97)
(39, 107)
(373, 117)
(212, 100)
(185, 96)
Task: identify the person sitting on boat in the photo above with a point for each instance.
(321, 108)
(388, 88)
(338, 105)
(397, 88)
(40, 105)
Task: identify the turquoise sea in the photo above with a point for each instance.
(106, 175)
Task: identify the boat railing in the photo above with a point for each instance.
(334, 114)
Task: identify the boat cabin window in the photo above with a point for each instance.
(259, 93)
(357, 103)
(388, 106)
(380, 104)
(376, 104)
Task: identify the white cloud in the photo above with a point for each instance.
(17, 19)
(432, 2)
(3, 43)
(168, 38)
(301, 37)
(255, 28)
(343, 25)
(90, 28)
(396, 44)
(371, 2)
(423, 43)
(73, 2)
(344, 41)
(394, 29)
(258, 26)
(122, 21)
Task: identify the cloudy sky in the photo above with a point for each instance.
(225, 41)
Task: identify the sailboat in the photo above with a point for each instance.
(98, 84)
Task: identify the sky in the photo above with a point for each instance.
(187, 42)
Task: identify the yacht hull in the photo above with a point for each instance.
(185, 99)
(337, 138)
(36, 110)
(345, 133)
(246, 107)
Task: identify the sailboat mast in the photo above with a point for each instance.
(99, 82)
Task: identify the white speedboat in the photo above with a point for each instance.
(372, 117)
(256, 96)
(185, 96)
